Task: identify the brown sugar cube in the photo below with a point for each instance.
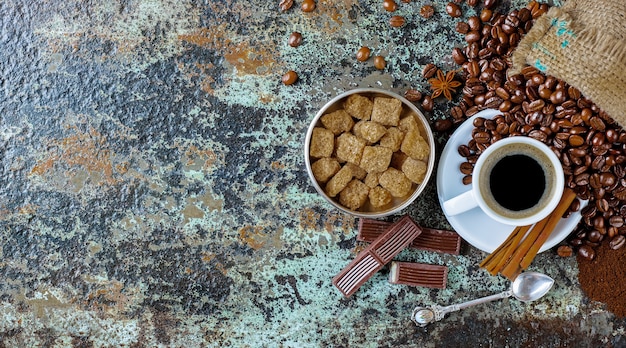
(354, 195)
(370, 131)
(395, 182)
(409, 123)
(379, 197)
(415, 146)
(371, 180)
(350, 148)
(339, 181)
(392, 139)
(414, 170)
(386, 111)
(322, 143)
(357, 172)
(324, 168)
(338, 121)
(376, 158)
(358, 106)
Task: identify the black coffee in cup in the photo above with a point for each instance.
(517, 180)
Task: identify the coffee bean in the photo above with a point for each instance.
(482, 137)
(427, 11)
(595, 236)
(466, 168)
(390, 5)
(363, 54)
(413, 95)
(462, 27)
(442, 125)
(471, 3)
(379, 62)
(576, 140)
(485, 15)
(458, 56)
(597, 123)
(457, 113)
(472, 36)
(586, 252)
(427, 103)
(617, 242)
(290, 77)
(564, 251)
(284, 5)
(616, 221)
(467, 180)
(464, 151)
(396, 21)
(489, 3)
(308, 6)
(429, 70)
(453, 10)
(475, 23)
(472, 68)
(295, 39)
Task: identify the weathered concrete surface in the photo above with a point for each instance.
(153, 191)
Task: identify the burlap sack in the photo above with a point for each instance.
(583, 43)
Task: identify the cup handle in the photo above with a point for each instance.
(460, 204)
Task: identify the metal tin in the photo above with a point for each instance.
(426, 132)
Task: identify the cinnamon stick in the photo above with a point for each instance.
(553, 220)
(528, 248)
(518, 251)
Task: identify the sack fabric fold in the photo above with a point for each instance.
(583, 43)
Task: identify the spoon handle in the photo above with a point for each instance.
(459, 306)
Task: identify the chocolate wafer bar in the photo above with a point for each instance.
(430, 239)
(418, 274)
(371, 259)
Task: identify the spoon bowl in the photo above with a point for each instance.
(531, 286)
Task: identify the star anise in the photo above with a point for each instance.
(444, 84)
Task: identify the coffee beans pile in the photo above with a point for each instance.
(590, 145)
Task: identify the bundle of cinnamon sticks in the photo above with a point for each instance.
(518, 251)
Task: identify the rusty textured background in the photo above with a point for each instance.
(153, 191)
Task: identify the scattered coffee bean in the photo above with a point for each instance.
(429, 70)
(467, 180)
(462, 27)
(413, 95)
(453, 10)
(390, 5)
(564, 251)
(363, 54)
(427, 103)
(284, 5)
(379, 62)
(397, 21)
(442, 125)
(427, 11)
(295, 39)
(308, 6)
(290, 77)
(458, 56)
(471, 3)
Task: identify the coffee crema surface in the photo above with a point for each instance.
(517, 181)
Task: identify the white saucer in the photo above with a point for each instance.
(474, 226)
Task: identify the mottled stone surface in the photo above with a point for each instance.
(153, 190)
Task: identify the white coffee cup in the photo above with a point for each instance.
(516, 181)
